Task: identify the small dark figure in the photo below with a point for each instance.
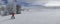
(13, 17)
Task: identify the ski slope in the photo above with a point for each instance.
(34, 16)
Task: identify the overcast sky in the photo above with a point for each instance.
(33, 1)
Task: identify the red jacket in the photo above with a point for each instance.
(12, 14)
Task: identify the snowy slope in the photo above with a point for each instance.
(43, 16)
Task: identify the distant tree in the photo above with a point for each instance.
(18, 9)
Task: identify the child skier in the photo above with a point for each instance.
(13, 17)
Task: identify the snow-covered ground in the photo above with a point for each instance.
(34, 16)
